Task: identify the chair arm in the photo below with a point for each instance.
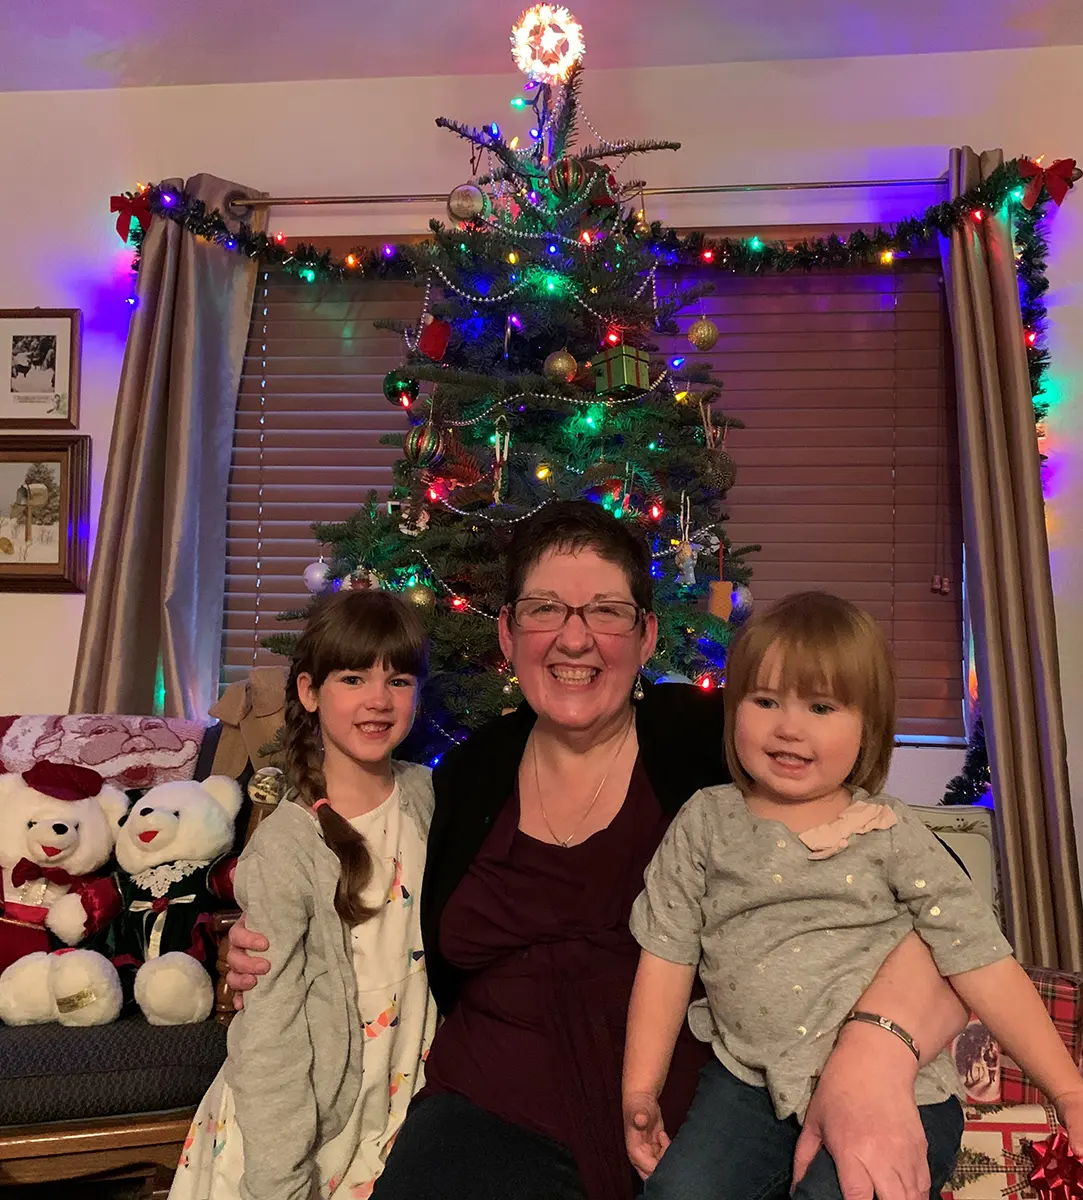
(221, 923)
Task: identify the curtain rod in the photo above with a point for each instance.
(715, 189)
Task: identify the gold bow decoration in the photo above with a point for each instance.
(251, 711)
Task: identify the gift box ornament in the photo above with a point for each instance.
(621, 369)
(995, 1161)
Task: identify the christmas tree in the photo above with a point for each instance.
(532, 374)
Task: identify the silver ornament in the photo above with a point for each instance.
(316, 575)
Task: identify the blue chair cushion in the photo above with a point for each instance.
(51, 1073)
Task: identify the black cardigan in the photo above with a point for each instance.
(679, 729)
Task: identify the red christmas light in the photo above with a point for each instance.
(707, 256)
(613, 337)
(978, 215)
(1032, 336)
(351, 260)
(280, 238)
(656, 512)
(457, 602)
(705, 682)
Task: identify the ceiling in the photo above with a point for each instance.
(63, 44)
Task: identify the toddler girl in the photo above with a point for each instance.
(787, 890)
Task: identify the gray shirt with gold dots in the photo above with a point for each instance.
(787, 938)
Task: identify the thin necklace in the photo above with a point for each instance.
(566, 842)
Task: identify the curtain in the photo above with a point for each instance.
(1009, 590)
(152, 626)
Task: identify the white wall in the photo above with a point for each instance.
(64, 153)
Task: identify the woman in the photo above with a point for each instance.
(545, 820)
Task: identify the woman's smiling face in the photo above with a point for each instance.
(575, 677)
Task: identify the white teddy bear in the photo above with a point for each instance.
(56, 832)
(170, 847)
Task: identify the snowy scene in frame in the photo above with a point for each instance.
(39, 368)
(44, 502)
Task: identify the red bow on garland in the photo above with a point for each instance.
(131, 208)
(26, 871)
(1058, 1173)
(1056, 179)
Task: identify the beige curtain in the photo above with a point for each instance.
(1008, 586)
(152, 627)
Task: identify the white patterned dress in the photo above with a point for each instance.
(398, 1018)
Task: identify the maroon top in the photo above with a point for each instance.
(537, 1036)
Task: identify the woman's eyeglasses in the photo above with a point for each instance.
(538, 614)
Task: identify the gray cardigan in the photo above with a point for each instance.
(295, 1051)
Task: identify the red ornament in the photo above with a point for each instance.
(1058, 1172)
(566, 179)
(1056, 179)
(605, 191)
(434, 339)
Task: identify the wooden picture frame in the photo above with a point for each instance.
(39, 368)
(44, 513)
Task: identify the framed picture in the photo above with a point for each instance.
(44, 507)
(39, 368)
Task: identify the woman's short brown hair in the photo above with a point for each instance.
(571, 526)
(825, 646)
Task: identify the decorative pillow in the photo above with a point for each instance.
(128, 752)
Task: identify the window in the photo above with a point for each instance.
(848, 472)
(310, 416)
(847, 468)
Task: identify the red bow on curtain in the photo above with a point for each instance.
(131, 208)
(26, 871)
(1058, 1173)
(1057, 178)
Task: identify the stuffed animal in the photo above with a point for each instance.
(173, 876)
(57, 825)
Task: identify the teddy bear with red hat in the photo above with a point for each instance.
(57, 830)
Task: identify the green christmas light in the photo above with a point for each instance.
(518, 102)
(755, 244)
(307, 274)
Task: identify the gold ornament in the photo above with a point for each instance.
(642, 228)
(421, 595)
(720, 471)
(703, 334)
(468, 203)
(560, 367)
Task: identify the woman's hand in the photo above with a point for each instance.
(243, 968)
(644, 1135)
(864, 1114)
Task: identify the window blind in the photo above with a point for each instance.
(310, 415)
(848, 465)
(848, 472)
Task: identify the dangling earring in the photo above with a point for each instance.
(637, 691)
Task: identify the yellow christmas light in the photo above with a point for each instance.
(888, 257)
(546, 42)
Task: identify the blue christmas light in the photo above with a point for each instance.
(389, 250)
(553, 248)
(657, 570)
(677, 362)
(494, 129)
(434, 762)
(534, 134)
